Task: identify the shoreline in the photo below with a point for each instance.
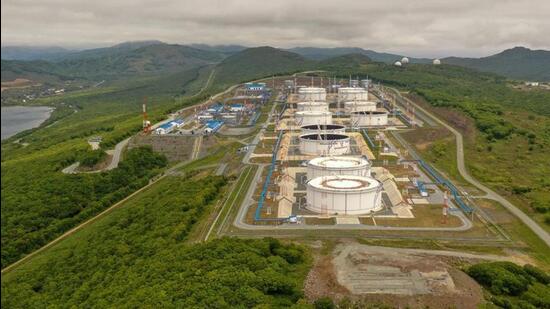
(20, 118)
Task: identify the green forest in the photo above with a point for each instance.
(137, 257)
(512, 286)
(36, 211)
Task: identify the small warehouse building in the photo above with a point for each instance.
(169, 127)
(212, 126)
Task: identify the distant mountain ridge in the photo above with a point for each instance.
(152, 57)
(29, 53)
(116, 62)
(518, 62)
(318, 53)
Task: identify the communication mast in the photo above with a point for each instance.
(146, 123)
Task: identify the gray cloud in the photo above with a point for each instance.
(417, 28)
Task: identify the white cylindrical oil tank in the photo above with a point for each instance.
(312, 106)
(312, 94)
(369, 119)
(330, 166)
(324, 144)
(308, 117)
(359, 106)
(352, 94)
(344, 195)
(323, 128)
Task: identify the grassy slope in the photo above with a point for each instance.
(517, 164)
(114, 112)
(137, 257)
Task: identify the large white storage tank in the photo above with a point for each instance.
(330, 166)
(312, 94)
(325, 144)
(312, 106)
(359, 106)
(323, 128)
(304, 118)
(344, 195)
(352, 94)
(369, 119)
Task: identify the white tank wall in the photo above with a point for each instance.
(312, 94)
(368, 120)
(343, 201)
(340, 130)
(318, 167)
(359, 106)
(325, 147)
(352, 94)
(305, 118)
(312, 106)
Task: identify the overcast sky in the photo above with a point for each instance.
(417, 28)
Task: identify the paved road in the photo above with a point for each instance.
(490, 194)
(117, 154)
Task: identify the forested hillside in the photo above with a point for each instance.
(115, 62)
(137, 257)
(259, 62)
(517, 62)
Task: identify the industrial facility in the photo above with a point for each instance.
(332, 161)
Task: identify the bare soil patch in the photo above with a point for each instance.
(397, 278)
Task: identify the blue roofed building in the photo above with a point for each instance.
(212, 126)
(255, 87)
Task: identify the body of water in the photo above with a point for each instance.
(20, 118)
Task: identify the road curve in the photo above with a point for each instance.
(490, 194)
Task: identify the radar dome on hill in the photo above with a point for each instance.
(404, 60)
(397, 63)
(437, 62)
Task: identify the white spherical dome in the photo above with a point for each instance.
(404, 60)
(437, 61)
(397, 64)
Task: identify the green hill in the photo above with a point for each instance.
(350, 61)
(258, 62)
(120, 61)
(316, 53)
(518, 63)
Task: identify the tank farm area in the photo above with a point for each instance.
(331, 157)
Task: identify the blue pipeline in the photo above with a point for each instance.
(454, 191)
(368, 139)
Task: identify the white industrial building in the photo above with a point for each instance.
(359, 106)
(313, 117)
(330, 166)
(344, 195)
(312, 94)
(325, 144)
(352, 94)
(369, 119)
(323, 129)
(312, 106)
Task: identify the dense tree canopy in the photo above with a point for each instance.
(137, 256)
(37, 209)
